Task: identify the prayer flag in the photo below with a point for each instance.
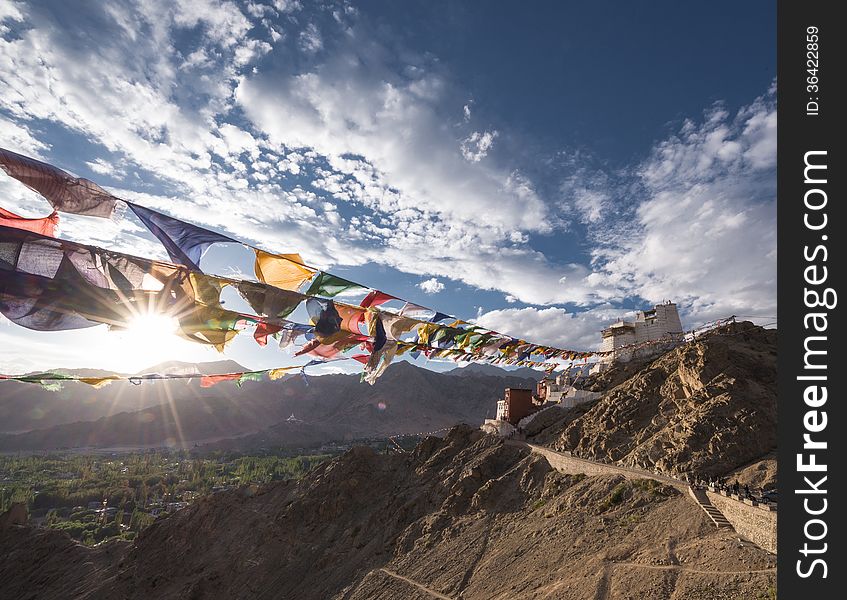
(97, 382)
(269, 301)
(329, 285)
(417, 312)
(44, 225)
(284, 271)
(210, 380)
(279, 373)
(184, 242)
(375, 298)
(249, 376)
(64, 192)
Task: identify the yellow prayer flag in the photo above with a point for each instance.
(284, 271)
(280, 372)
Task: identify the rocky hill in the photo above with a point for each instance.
(406, 400)
(462, 517)
(705, 408)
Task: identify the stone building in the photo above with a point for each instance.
(562, 390)
(659, 323)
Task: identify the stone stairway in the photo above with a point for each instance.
(715, 515)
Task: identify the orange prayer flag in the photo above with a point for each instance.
(98, 382)
(284, 271)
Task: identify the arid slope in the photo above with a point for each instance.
(462, 517)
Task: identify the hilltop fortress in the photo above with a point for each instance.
(659, 323)
(651, 332)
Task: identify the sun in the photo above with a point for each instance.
(150, 338)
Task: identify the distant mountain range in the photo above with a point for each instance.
(475, 369)
(406, 400)
(24, 406)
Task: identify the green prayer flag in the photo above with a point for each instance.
(328, 286)
(250, 376)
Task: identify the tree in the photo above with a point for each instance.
(52, 518)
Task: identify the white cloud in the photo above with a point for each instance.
(291, 163)
(431, 286)
(20, 138)
(352, 104)
(553, 326)
(198, 58)
(591, 205)
(310, 39)
(250, 51)
(237, 140)
(222, 21)
(9, 12)
(476, 146)
(383, 137)
(705, 232)
(287, 6)
(694, 222)
(103, 167)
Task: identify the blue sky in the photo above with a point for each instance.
(542, 170)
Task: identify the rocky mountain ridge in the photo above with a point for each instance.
(704, 408)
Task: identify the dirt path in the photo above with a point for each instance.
(596, 467)
(420, 586)
(691, 570)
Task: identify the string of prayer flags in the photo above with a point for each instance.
(284, 271)
(76, 286)
(316, 348)
(51, 285)
(199, 313)
(291, 331)
(274, 303)
(184, 242)
(378, 362)
(52, 381)
(44, 225)
(324, 316)
(425, 331)
(180, 237)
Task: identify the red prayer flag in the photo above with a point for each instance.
(375, 298)
(44, 225)
(210, 380)
(263, 330)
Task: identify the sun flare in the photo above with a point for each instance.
(150, 337)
